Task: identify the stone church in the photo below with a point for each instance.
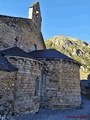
(31, 76)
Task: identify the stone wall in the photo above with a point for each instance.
(62, 84)
(27, 84)
(24, 90)
(21, 32)
(7, 80)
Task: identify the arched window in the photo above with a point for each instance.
(37, 14)
(34, 47)
(36, 86)
(43, 84)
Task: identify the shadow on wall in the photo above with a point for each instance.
(85, 86)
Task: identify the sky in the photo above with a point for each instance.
(59, 17)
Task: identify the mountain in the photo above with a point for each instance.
(74, 48)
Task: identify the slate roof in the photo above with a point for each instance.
(49, 53)
(16, 51)
(84, 82)
(6, 65)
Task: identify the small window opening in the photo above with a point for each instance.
(34, 47)
(36, 86)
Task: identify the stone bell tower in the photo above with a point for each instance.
(35, 15)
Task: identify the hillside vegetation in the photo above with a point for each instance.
(74, 48)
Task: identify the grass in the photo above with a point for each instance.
(83, 74)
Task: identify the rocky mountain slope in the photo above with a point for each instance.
(74, 48)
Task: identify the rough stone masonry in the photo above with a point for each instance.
(32, 77)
